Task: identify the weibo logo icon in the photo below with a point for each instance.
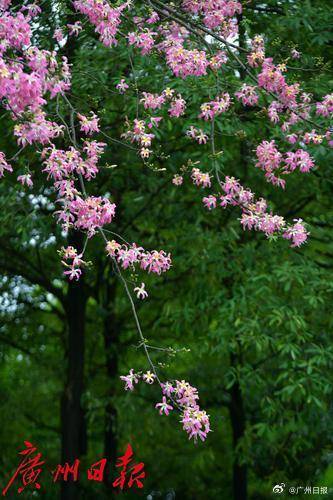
(279, 488)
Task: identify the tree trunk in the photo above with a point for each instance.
(237, 416)
(110, 332)
(73, 425)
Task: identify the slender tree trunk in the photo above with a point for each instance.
(73, 426)
(237, 417)
(110, 332)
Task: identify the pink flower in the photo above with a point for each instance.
(89, 125)
(149, 377)
(177, 180)
(130, 379)
(211, 109)
(25, 180)
(72, 261)
(164, 407)
(122, 86)
(112, 247)
(167, 388)
(325, 108)
(74, 29)
(296, 233)
(209, 202)
(177, 107)
(4, 165)
(141, 293)
(156, 262)
(295, 54)
(58, 35)
(248, 95)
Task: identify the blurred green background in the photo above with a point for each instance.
(254, 316)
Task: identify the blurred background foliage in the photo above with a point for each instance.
(254, 316)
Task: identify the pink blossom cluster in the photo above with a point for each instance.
(216, 13)
(156, 101)
(248, 95)
(257, 54)
(143, 40)
(210, 110)
(184, 62)
(60, 164)
(177, 107)
(254, 213)
(25, 80)
(138, 133)
(270, 160)
(37, 130)
(271, 78)
(325, 107)
(105, 18)
(130, 255)
(4, 4)
(179, 394)
(195, 421)
(152, 101)
(72, 261)
(89, 125)
(218, 59)
(89, 214)
(15, 29)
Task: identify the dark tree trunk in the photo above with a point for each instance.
(73, 425)
(237, 417)
(110, 332)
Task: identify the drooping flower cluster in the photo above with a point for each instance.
(271, 161)
(60, 164)
(177, 395)
(216, 13)
(25, 80)
(37, 130)
(255, 215)
(182, 61)
(105, 18)
(128, 256)
(89, 214)
(257, 55)
(73, 262)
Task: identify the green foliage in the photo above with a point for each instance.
(251, 314)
